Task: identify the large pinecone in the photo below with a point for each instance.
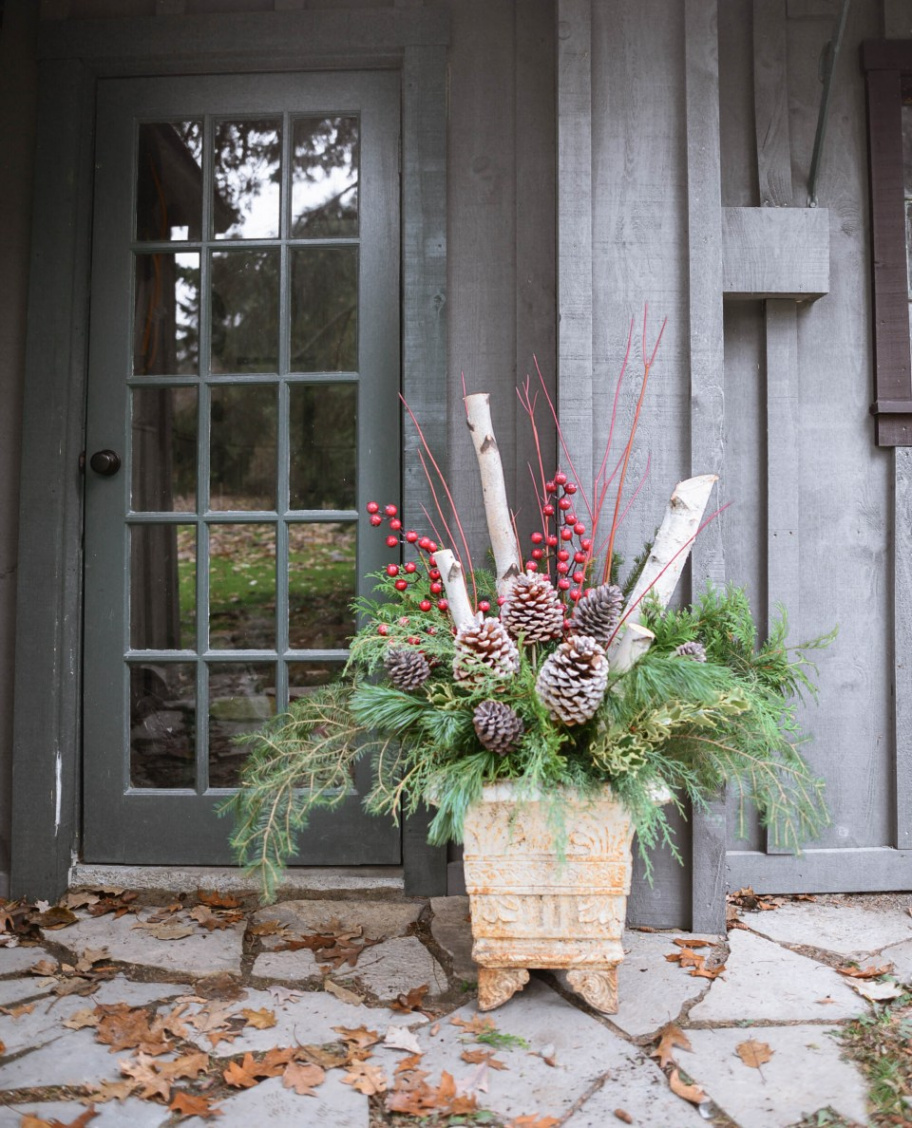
(599, 611)
(498, 726)
(408, 669)
(533, 609)
(571, 683)
(484, 644)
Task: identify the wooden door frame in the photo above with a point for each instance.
(73, 55)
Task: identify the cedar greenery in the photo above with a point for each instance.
(668, 724)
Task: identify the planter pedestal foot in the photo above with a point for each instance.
(598, 987)
(498, 984)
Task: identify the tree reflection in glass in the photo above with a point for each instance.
(324, 177)
(247, 179)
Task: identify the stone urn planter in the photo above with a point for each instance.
(535, 908)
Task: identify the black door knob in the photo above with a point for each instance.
(105, 462)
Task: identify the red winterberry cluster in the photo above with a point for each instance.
(406, 574)
(563, 544)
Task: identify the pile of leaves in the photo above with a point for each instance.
(522, 682)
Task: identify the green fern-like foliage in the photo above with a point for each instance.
(669, 724)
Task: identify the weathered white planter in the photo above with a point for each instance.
(530, 908)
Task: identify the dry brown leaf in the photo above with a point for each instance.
(358, 1036)
(110, 1091)
(703, 972)
(533, 1122)
(303, 1077)
(29, 1121)
(326, 1056)
(688, 942)
(189, 1066)
(691, 959)
(669, 1037)
(412, 1000)
(402, 1038)
(145, 1073)
(434, 1030)
(753, 1053)
(482, 1057)
(44, 967)
(477, 1025)
(366, 1078)
(168, 931)
(409, 1064)
(124, 1028)
(193, 1104)
(826, 1002)
(89, 958)
(865, 972)
(82, 1018)
(644, 928)
(261, 1019)
(243, 1074)
(623, 1114)
(217, 900)
(58, 916)
(342, 993)
(18, 1012)
(692, 1093)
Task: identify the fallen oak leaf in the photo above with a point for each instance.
(216, 900)
(243, 1074)
(303, 1077)
(144, 1072)
(82, 1018)
(409, 1064)
(401, 1038)
(864, 972)
(261, 1019)
(622, 1114)
(687, 942)
(342, 993)
(172, 931)
(533, 1122)
(358, 1036)
(703, 972)
(328, 1057)
(44, 968)
(878, 992)
(189, 1066)
(754, 1053)
(193, 1104)
(477, 1025)
(692, 1093)
(412, 1000)
(483, 1057)
(18, 1012)
(30, 1121)
(366, 1078)
(669, 1037)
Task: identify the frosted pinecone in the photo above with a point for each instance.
(408, 669)
(599, 611)
(484, 644)
(694, 650)
(572, 681)
(533, 609)
(498, 726)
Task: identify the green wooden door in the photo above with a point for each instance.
(244, 363)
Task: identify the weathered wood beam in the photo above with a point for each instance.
(771, 118)
(902, 644)
(704, 215)
(776, 253)
(574, 229)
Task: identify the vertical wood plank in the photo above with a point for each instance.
(774, 158)
(424, 341)
(48, 641)
(902, 643)
(574, 229)
(704, 208)
(897, 19)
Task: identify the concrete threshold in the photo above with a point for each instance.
(365, 882)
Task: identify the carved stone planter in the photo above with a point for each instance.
(530, 908)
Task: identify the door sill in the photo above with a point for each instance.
(333, 882)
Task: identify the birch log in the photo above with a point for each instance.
(453, 579)
(500, 526)
(666, 561)
(630, 645)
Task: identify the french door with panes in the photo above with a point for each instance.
(244, 364)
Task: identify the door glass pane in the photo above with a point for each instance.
(163, 587)
(164, 449)
(324, 177)
(166, 320)
(321, 584)
(324, 309)
(247, 179)
(169, 181)
(243, 447)
(162, 724)
(242, 587)
(245, 311)
(303, 677)
(323, 453)
(241, 698)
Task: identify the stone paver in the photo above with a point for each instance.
(13, 961)
(804, 1074)
(289, 967)
(767, 983)
(379, 920)
(334, 1105)
(307, 1018)
(136, 1113)
(397, 966)
(71, 1057)
(643, 1094)
(652, 991)
(452, 929)
(583, 1050)
(900, 955)
(846, 929)
(13, 991)
(202, 953)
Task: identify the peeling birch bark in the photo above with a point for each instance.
(453, 579)
(500, 526)
(666, 561)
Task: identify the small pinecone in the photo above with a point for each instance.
(598, 613)
(408, 669)
(694, 650)
(572, 681)
(533, 609)
(498, 727)
(484, 643)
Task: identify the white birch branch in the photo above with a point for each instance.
(629, 647)
(497, 511)
(457, 594)
(666, 561)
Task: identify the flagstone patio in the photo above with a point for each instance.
(343, 1012)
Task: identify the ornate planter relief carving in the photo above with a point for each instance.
(530, 909)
